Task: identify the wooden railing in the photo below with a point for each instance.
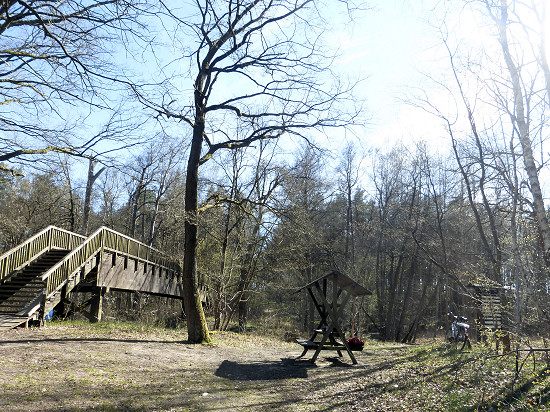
(50, 238)
(119, 243)
(105, 239)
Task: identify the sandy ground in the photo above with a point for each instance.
(79, 367)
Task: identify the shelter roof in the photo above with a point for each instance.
(343, 282)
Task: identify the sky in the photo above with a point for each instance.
(396, 45)
(392, 46)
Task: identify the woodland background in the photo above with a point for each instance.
(413, 224)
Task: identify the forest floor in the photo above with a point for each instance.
(113, 366)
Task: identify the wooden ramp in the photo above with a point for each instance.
(37, 276)
(13, 321)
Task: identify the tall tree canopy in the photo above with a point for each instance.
(259, 72)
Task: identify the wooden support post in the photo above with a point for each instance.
(59, 309)
(96, 305)
(42, 310)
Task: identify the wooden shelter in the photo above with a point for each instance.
(330, 294)
(489, 303)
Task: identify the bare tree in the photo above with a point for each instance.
(142, 169)
(55, 60)
(520, 115)
(259, 73)
(92, 177)
(348, 180)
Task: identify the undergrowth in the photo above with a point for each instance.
(478, 380)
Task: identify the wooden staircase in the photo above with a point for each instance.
(24, 289)
(37, 275)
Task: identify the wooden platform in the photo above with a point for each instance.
(12, 321)
(39, 274)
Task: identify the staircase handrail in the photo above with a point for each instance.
(49, 238)
(104, 238)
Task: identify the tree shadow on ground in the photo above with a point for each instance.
(86, 339)
(286, 368)
(535, 397)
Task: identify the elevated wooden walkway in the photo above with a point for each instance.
(36, 276)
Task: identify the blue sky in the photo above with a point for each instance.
(397, 44)
(391, 45)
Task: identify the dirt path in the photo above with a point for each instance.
(76, 367)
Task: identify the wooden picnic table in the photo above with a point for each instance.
(330, 294)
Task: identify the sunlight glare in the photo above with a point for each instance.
(546, 19)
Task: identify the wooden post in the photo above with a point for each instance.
(50, 239)
(59, 309)
(96, 305)
(42, 310)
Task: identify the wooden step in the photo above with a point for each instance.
(28, 292)
(21, 282)
(24, 288)
(17, 298)
(6, 305)
(15, 288)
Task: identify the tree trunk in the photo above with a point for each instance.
(196, 321)
(88, 196)
(407, 297)
(220, 282)
(247, 273)
(153, 227)
(519, 117)
(543, 56)
(87, 199)
(134, 198)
